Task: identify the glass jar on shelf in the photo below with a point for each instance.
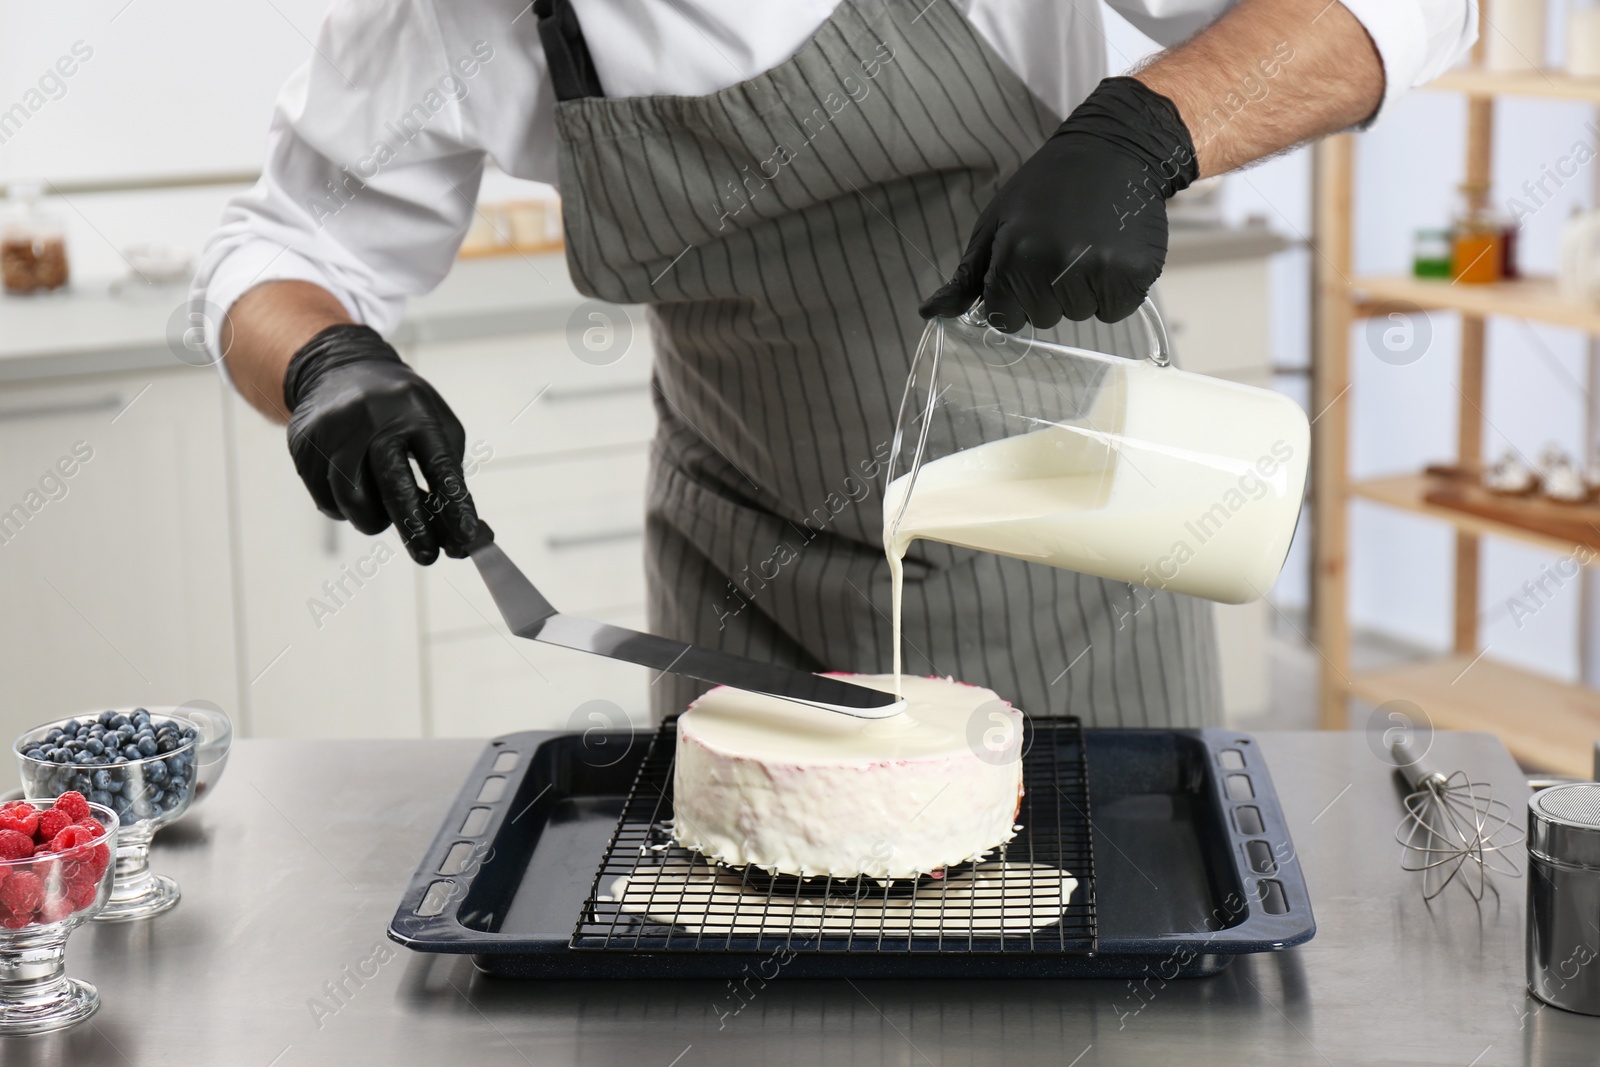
(33, 245)
(1478, 238)
(1430, 253)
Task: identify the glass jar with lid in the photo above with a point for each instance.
(33, 244)
(1477, 252)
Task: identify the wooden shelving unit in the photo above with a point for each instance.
(1405, 492)
(1550, 84)
(1553, 724)
(1525, 298)
(1546, 723)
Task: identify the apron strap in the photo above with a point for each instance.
(572, 70)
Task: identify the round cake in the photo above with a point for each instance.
(792, 789)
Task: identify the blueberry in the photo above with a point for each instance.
(95, 746)
(100, 797)
(58, 755)
(53, 736)
(116, 782)
(156, 772)
(119, 720)
(147, 746)
(82, 782)
(130, 752)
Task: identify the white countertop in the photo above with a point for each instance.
(93, 329)
(90, 330)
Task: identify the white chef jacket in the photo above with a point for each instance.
(378, 142)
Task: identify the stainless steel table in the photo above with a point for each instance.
(290, 872)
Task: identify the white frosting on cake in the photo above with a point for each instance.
(766, 782)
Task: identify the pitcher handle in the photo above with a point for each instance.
(1160, 347)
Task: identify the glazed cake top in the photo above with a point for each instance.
(942, 719)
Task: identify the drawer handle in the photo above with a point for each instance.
(594, 392)
(108, 402)
(560, 542)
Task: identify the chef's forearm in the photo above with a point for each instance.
(1268, 75)
(265, 328)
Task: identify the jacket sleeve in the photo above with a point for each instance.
(1417, 40)
(375, 152)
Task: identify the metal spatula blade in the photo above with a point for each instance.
(530, 615)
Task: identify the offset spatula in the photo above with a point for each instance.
(530, 615)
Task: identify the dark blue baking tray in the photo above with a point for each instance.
(1192, 866)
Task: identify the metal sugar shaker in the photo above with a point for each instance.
(1564, 896)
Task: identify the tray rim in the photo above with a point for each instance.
(1258, 931)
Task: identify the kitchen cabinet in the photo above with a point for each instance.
(327, 622)
(486, 682)
(114, 548)
(557, 459)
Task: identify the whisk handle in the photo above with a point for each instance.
(1411, 760)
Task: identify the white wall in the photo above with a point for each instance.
(170, 87)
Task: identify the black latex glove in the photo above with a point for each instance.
(358, 416)
(1081, 228)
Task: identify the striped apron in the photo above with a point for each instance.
(780, 233)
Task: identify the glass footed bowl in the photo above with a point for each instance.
(43, 898)
(149, 778)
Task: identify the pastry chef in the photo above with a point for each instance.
(784, 186)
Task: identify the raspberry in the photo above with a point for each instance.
(96, 861)
(21, 893)
(51, 823)
(14, 922)
(45, 867)
(20, 816)
(55, 908)
(14, 845)
(69, 838)
(73, 803)
(82, 894)
(91, 827)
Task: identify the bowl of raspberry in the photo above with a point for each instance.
(148, 765)
(55, 874)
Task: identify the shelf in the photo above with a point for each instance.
(1525, 298)
(1551, 84)
(1547, 724)
(1406, 491)
(544, 248)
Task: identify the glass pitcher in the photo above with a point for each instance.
(1129, 469)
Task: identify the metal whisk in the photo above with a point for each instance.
(1453, 828)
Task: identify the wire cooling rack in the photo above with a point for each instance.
(1035, 894)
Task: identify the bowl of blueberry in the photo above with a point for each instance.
(148, 765)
